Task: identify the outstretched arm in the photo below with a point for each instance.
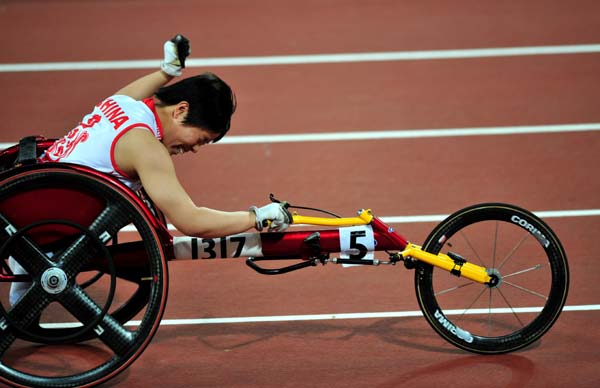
(139, 153)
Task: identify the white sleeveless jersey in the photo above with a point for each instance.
(92, 142)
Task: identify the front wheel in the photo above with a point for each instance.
(519, 250)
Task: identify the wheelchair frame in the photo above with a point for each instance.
(84, 239)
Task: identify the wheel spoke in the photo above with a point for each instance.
(534, 268)
(495, 242)
(490, 312)
(472, 248)
(454, 288)
(511, 307)
(471, 305)
(109, 330)
(77, 255)
(513, 251)
(526, 290)
(30, 306)
(26, 252)
(6, 339)
(25, 312)
(108, 223)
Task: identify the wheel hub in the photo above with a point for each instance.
(496, 278)
(54, 280)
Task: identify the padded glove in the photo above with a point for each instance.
(176, 51)
(274, 215)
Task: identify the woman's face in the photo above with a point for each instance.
(188, 139)
(180, 138)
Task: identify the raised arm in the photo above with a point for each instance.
(176, 51)
(146, 86)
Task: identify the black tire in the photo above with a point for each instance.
(111, 346)
(525, 255)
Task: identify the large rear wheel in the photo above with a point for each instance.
(70, 326)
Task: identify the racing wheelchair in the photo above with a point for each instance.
(490, 279)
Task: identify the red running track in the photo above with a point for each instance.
(393, 177)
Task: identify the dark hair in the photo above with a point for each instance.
(211, 102)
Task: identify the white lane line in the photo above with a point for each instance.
(393, 314)
(308, 59)
(402, 134)
(410, 133)
(541, 214)
(322, 317)
(441, 217)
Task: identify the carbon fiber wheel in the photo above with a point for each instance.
(70, 327)
(530, 272)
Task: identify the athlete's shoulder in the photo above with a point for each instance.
(138, 149)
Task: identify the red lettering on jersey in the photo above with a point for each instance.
(116, 116)
(113, 113)
(65, 146)
(91, 121)
(106, 104)
(117, 122)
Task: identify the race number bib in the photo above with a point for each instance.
(239, 245)
(357, 242)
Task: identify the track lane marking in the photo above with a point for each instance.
(400, 134)
(541, 214)
(391, 314)
(410, 133)
(322, 317)
(386, 56)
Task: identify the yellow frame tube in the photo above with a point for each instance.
(467, 270)
(364, 218)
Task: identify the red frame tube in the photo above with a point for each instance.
(292, 244)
